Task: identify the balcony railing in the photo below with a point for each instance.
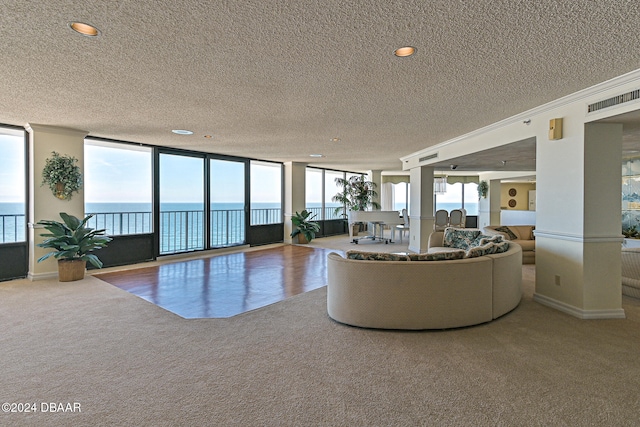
(329, 213)
(12, 228)
(182, 231)
(266, 216)
(119, 223)
(227, 227)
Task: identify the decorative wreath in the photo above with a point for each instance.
(62, 175)
(483, 189)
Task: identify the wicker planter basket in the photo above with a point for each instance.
(70, 270)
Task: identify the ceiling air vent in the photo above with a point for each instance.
(429, 157)
(616, 100)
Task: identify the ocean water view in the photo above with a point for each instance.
(181, 224)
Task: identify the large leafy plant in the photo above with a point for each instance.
(72, 239)
(305, 225)
(62, 175)
(357, 194)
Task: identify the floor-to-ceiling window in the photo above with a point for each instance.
(457, 196)
(266, 193)
(12, 186)
(227, 201)
(13, 248)
(401, 196)
(330, 190)
(313, 192)
(118, 187)
(181, 192)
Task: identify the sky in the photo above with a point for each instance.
(12, 172)
(116, 175)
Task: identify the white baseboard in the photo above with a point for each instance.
(578, 312)
(42, 276)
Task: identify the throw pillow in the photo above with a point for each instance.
(507, 230)
(460, 238)
(438, 256)
(375, 256)
(483, 239)
(487, 249)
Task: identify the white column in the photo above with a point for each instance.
(578, 230)
(294, 194)
(421, 212)
(43, 140)
(494, 201)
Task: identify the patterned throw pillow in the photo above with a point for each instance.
(507, 230)
(483, 239)
(438, 256)
(487, 249)
(460, 238)
(375, 256)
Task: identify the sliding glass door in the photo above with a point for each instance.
(227, 201)
(182, 213)
(13, 245)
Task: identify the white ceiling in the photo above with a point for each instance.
(277, 80)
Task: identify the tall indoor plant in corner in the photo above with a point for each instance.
(357, 195)
(72, 242)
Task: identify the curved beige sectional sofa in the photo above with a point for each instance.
(523, 235)
(631, 272)
(423, 294)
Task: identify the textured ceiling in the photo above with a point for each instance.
(278, 80)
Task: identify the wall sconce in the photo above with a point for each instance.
(555, 129)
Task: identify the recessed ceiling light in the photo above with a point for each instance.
(182, 132)
(334, 139)
(404, 51)
(316, 155)
(208, 136)
(84, 29)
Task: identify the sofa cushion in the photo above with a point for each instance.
(487, 249)
(438, 256)
(460, 238)
(507, 231)
(375, 256)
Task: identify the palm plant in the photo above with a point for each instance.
(357, 194)
(72, 240)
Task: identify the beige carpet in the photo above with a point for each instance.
(128, 362)
(342, 243)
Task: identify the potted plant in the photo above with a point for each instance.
(357, 195)
(62, 175)
(73, 241)
(483, 189)
(305, 228)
